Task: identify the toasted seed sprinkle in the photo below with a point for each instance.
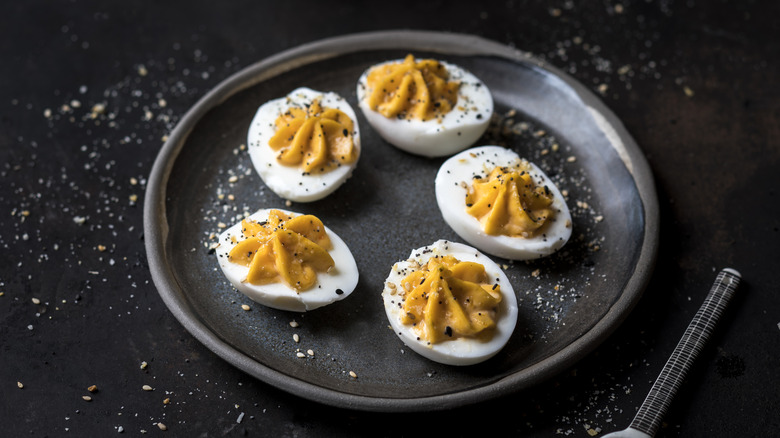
(310, 352)
(133, 197)
(147, 388)
(101, 248)
(299, 354)
(19, 385)
(571, 159)
(352, 374)
(296, 338)
(246, 307)
(92, 388)
(166, 401)
(86, 398)
(535, 273)
(162, 426)
(144, 365)
(293, 323)
(36, 301)
(233, 179)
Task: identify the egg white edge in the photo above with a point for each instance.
(426, 135)
(453, 207)
(459, 351)
(344, 275)
(287, 181)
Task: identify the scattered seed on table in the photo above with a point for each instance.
(293, 323)
(36, 301)
(310, 352)
(86, 398)
(352, 374)
(296, 338)
(19, 385)
(299, 354)
(92, 388)
(147, 388)
(246, 307)
(162, 426)
(144, 365)
(166, 401)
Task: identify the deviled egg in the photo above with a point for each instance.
(450, 303)
(287, 260)
(304, 145)
(425, 107)
(502, 204)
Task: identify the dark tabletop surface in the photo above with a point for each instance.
(695, 83)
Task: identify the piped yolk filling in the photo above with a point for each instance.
(316, 139)
(508, 202)
(412, 89)
(449, 299)
(290, 250)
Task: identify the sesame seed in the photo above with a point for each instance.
(147, 388)
(352, 374)
(86, 398)
(296, 338)
(310, 352)
(293, 323)
(19, 385)
(299, 354)
(162, 426)
(92, 388)
(166, 401)
(144, 365)
(36, 301)
(246, 307)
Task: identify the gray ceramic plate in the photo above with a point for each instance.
(569, 303)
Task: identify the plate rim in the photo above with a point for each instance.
(156, 228)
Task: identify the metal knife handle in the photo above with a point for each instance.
(657, 402)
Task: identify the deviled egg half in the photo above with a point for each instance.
(502, 204)
(304, 145)
(425, 107)
(450, 303)
(287, 260)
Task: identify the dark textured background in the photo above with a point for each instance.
(696, 83)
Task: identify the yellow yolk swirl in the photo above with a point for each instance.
(449, 299)
(508, 202)
(316, 139)
(284, 249)
(412, 90)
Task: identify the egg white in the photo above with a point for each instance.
(451, 197)
(342, 277)
(290, 182)
(457, 351)
(458, 129)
